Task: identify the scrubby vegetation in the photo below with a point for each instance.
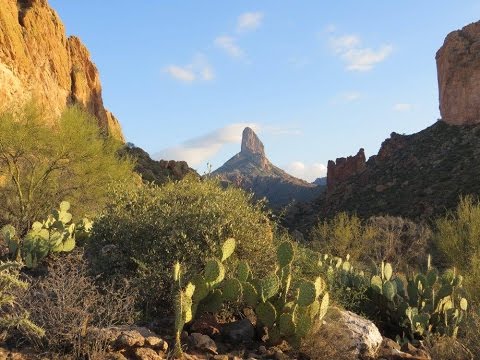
(144, 231)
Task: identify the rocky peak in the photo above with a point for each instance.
(38, 60)
(251, 144)
(344, 168)
(458, 70)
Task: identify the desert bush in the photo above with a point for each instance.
(144, 231)
(342, 235)
(457, 237)
(66, 302)
(12, 317)
(399, 241)
(44, 161)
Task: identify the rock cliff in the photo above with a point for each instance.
(343, 168)
(458, 68)
(251, 170)
(38, 60)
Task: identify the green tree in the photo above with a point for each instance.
(43, 162)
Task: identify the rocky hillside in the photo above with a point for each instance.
(38, 60)
(420, 175)
(158, 172)
(251, 170)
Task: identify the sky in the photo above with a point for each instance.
(316, 80)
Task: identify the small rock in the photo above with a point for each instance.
(147, 354)
(238, 332)
(279, 355)
(262, 350)
(129, 339)
(220, 357)
(202, 342)
(156, 343)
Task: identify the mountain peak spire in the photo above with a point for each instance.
(251, 144)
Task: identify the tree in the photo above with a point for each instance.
(43, 162)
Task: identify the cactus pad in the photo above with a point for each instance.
(228, 248)
(285, 253)
(250, 294)
(388, 271)
(201, 288)
(389, 290)
(286, 324)
(243, 271)
(266, 313)
(324, 306)
(232, 289)
(376, 283)
(214, 272)
(307, 293)
(268, 287)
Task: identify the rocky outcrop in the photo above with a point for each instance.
(344, 168)
(251, 144)
(458, 68)
(251, 170)
(156, 171)
(38, 61)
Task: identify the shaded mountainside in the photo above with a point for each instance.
(416, 176)
(158, 172)
(38, 61)
(251, 170)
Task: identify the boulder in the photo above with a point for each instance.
(343, 336)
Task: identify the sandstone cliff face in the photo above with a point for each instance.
(458, 68)
(343, 168)
(251, 170)
(38, 61)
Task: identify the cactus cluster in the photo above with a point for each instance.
(288, 313)
(426, 303)
(56, 234)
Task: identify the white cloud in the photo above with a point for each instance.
(249, 21)
(357, 57)
(228, 44)
(180, 73)
(402, 107)
(351, 96)
(198, 150)
(308, 172)
(198, 69)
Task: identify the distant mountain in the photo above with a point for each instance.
(158, 172)
(321, 181)
(251, 170)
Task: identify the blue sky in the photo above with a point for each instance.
(316, 79)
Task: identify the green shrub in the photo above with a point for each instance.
(144, 231)
(457, 236)
(342, 235)
(44, 161)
